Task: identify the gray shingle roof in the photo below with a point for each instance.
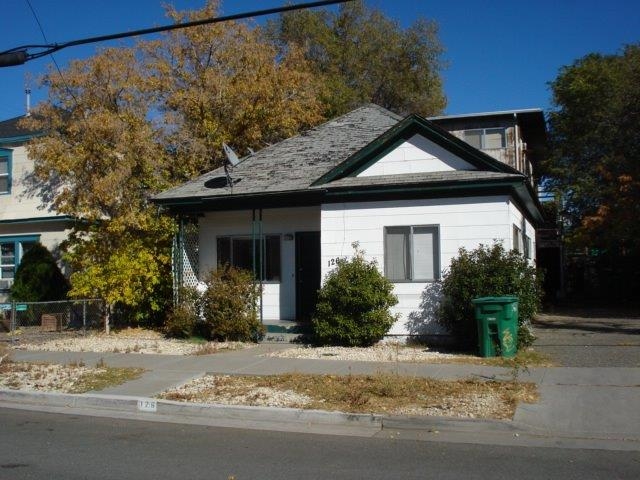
(454, 176)
(10, 128)
(296, 162)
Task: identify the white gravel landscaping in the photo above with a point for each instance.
(129, 341)
(215, 388)
(382, 352)
(43, 377)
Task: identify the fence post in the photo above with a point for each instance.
(84, 316)
(12, 324)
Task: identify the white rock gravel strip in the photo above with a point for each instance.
(41, 377)
(104, 344)
(385, 352)
(214, 388)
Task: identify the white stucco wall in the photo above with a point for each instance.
(21, 202)
(463, 222)
(416, 155)
(279, 299)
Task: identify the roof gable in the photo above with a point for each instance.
(459, 153)
(414, 155)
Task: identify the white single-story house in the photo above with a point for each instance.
(410, 193)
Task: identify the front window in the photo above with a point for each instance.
(4, 174)
(486, 138)
(7, 260)
(412, 253)
(239, 252)
(12, 249)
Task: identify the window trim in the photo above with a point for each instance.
(7, 153)
(517, 238)
(18, 251)
(245, 236)
(483, 135)
(436, 254)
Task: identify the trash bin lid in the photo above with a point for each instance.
(500, 300)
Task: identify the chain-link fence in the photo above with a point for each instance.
(62, 316)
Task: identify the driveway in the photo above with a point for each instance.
(589, 338)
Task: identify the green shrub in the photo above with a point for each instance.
(488, 271)
(229, 305)
(38, 277)
(182, 319)
(353, 304)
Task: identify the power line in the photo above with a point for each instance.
(20, 55)
(35, 15)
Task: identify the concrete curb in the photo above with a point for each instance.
(443, 429)
(239, 416)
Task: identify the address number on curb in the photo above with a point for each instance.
(147, 405)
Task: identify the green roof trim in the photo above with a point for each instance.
(57, 218)
(404, 130)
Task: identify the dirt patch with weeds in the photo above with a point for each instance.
(74, 378)
(379, 394)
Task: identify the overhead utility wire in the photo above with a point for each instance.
(20, 55)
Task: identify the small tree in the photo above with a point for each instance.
(488, 271)
(229, 305)
(353, 304)
(38, 277)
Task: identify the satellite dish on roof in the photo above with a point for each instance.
(232, 158)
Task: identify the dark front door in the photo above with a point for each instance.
(307, 273)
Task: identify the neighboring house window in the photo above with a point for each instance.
(486, 138)
(5, 173)
(527, 246)
(238, 251)
(412, 253)
(517, 239)
(12, 250)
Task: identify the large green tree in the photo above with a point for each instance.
(130, 122)
(364, 56)
(595, 163)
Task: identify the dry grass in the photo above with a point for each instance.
(72, 378)
(103, 377)
(381, 393)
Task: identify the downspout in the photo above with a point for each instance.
(262, 262)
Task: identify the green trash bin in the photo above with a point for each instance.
(497, 319)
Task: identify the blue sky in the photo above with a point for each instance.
(500, 54)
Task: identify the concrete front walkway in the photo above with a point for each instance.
(579, 403)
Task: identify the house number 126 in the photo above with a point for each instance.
(333, 262)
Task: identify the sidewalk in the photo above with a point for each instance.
(593, 407)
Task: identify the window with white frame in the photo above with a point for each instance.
(486, 138)
(238, 251)
(527, 246)
(12, 249)
(412, 253)
(517, 240)
(5, 173)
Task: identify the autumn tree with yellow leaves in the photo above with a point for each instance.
(130, 122)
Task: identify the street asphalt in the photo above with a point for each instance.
(44, 446)
(589, 402)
